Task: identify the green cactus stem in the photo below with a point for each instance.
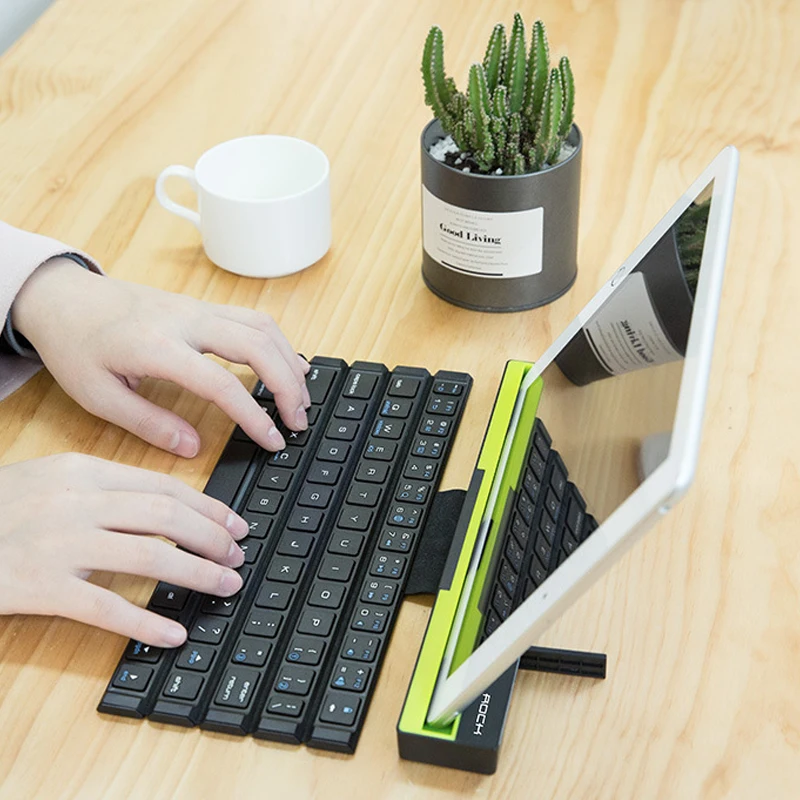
(514, 70)
(568, 86)
(495, 56)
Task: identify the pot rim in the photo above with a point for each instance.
(547, 170)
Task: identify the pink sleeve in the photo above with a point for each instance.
(20, 254)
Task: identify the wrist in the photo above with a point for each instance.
(33, 307)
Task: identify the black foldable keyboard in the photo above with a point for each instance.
(335, 519)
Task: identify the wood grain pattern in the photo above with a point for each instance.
(700, 621)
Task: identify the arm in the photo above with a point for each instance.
(21, 253)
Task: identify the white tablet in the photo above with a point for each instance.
(620, 395)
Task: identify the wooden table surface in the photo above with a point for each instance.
(700, 621)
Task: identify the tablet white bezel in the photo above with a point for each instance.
(653, 498)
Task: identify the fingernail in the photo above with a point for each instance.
(300, 418)
(236, 526)
(174, 635)
(303, 363)
(235, 556)
(275, 439)
(229, 583)
(184, 444)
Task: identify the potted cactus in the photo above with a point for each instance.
(500, 175)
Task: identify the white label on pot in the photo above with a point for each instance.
(490, 244)
(625, 333)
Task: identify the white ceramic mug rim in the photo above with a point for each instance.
(266, 200)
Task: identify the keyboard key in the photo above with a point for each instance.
(447, 387)
(316, 622)
(274, 478)
(396, 540)
(167, 595)
(139, 651)
(360, 384)
(315, 496)
(285, 569)
(374, 472)
(208, 630)
(370, 618)
(420, 469)
(183, 686)
(346, 543)
(531, 485)
(259, 524)
(360, 647)
(405, 516)
(219, 606)
(363, 494)
(402, 386)
(339, 709)
(135, 677)
(514, 554)
(336, 568)
(396, 408)
(327, 474)
(264, 624)
(350, 409)
(379, 592)
(265, 501)
(542, 549)
(385, 429)
(319, 381)
(380, 451)
(388, 565)
(350, 677)
(289, 457)
(412, 492)
(333, 451)
(525, 507)
(285, 706)
(295, 544)
(537, 572)
(251, 548)
(306, 650)
(251, 652)
(326, 595)
(295, 680)
(434, 426)
(430, 448)
(298, 438)
(275, 595)
(237, 687)
(305, 519)
(342, 431)
(558, 481)
(508, 578)
(195, 657)
(501, 603)
(355, 518)
(520, 530)
(441, 405)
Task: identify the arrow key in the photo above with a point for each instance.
(133, 676)
(139, 651)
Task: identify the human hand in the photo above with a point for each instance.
(100, 337)
(67, 515)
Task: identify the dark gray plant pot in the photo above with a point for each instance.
(671, 301)
(502, 277)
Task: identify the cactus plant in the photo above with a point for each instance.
(517, 112)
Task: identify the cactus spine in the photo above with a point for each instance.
(517, 112)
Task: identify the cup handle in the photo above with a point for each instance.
(165, 200)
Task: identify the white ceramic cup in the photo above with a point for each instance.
(263, 202)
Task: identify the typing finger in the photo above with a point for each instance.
(245, 345)
(216, 384)
(94, 605)
(111, 476)
(153, 558)
(266, 324)
(162, 515)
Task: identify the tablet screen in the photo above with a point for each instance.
(594, 425)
